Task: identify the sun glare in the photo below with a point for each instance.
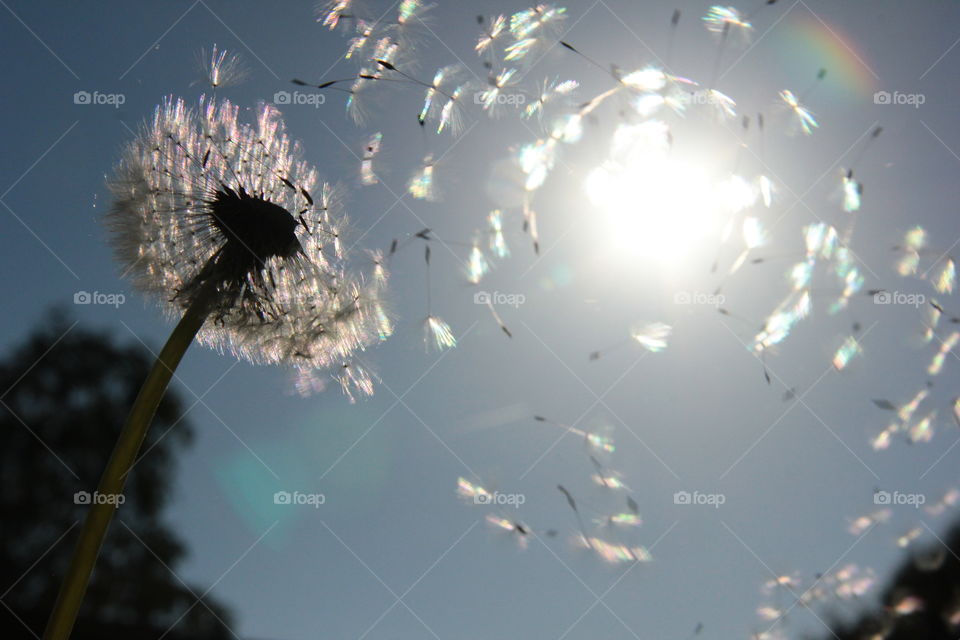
(656, 206)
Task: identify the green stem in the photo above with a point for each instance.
(121, 460)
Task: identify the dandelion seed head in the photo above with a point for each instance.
(209, 208)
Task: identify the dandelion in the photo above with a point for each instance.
(214, 220)
(221, 69)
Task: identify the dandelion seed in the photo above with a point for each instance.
(222, 69)
(908, 604)
(367, 175)
(477, 265)
(543, 17)
(422, 185)
(450, 113)
(906, 411)
(766, 190)
(946, 280)
(723, 105)
(936, 365)
(492, 98)
(653, 337)
(616, 553)
(467, 489)
(207, 206)
(519, 49)
(354, 379)
(781, 322)
(922, 431)
(336, 11)
(804, 118)
(433, 91)
(437, 334)
(549, 92)
(723, 20)
(907, 539)
(648, 79)
(410, 10)
(490, 36)
(498, 245)
(852, 190)
(626, 519)
(847, 351)
(913, 242)
(861, 524)
(882, 440)
(949, 500)
(359, 42)
(769, 613)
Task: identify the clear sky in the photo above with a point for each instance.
(393, 552)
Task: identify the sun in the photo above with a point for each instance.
(657, 206)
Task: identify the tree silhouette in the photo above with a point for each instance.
(64, 394)
(931, 576)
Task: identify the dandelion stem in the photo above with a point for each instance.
(114, 476)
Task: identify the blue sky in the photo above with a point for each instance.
(392, 539)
